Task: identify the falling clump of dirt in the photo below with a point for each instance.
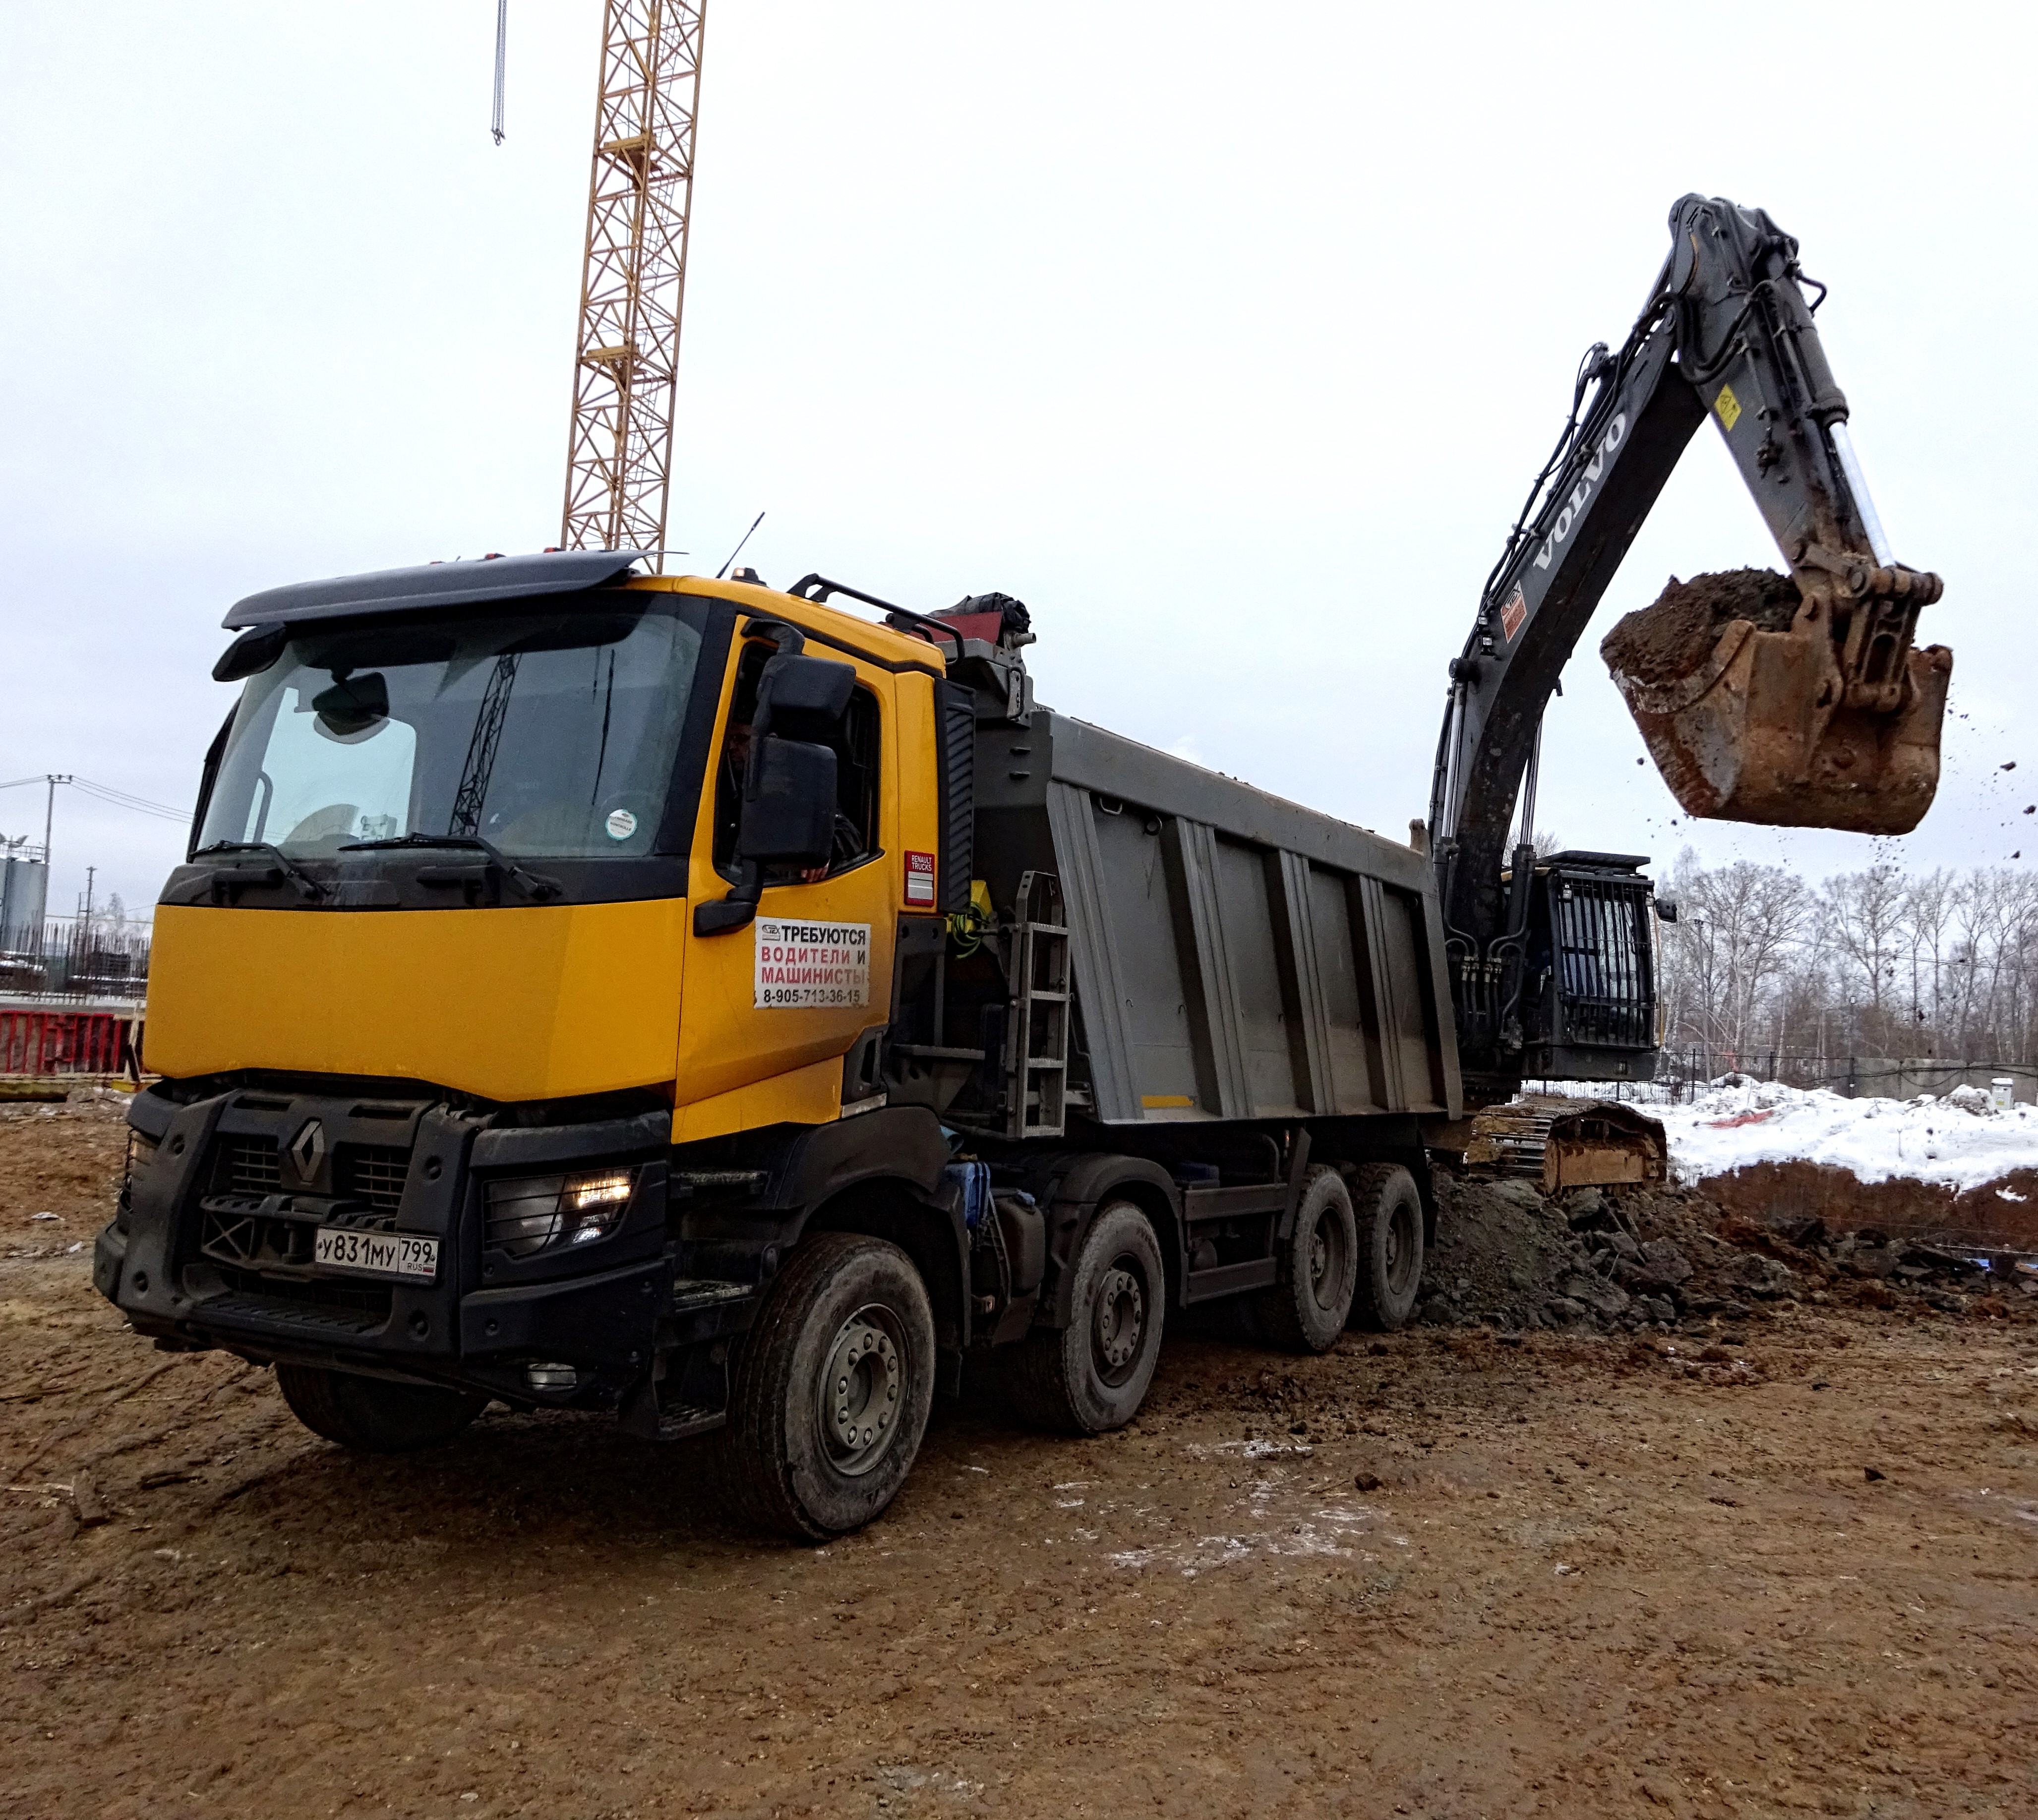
(1673, 635)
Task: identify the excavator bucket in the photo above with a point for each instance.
(1764, 699)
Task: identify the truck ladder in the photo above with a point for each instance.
(1036, 1043)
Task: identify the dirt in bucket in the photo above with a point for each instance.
(1673, 635)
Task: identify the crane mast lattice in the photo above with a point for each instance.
(640, 199)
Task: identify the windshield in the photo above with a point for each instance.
(547, 734)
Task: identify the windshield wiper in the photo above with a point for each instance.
(308, 886)
(534, 884)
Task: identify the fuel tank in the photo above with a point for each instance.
(1762, 699)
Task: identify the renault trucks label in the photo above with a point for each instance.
(812, 966)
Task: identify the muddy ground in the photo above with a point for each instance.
(1787, 1564)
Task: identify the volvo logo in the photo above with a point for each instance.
(307, 1150)
(1616, 432)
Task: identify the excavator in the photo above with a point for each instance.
(1796, 701)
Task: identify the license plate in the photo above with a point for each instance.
(360, 1254)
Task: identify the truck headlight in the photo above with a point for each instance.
(534, 1211)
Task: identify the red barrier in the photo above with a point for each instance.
(47, 1043)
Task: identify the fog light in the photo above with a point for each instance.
(553, 1377)
(533, 1212)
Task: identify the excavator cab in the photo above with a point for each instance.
(1589, 970)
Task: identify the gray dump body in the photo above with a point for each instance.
(1235, 956)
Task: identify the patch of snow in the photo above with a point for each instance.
(1251, 1449)
(1961, 1142)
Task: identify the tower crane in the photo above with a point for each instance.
(640, 202)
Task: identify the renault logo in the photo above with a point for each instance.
(308, 1150)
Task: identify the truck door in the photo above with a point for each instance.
(774, 1007)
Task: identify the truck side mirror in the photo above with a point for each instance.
(789, 818)
(804, 696)
(1666, 909)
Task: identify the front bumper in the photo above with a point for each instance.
(213, 1244)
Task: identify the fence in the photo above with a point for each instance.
(73, 957)
(40, 1044)
(1683, 1074)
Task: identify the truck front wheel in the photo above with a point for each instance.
(1389, 1208)
(831, 1390)
(375, 1415)
(1093, 1375)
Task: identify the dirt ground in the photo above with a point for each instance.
(1789, 1566)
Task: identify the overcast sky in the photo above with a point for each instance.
(1228, 338)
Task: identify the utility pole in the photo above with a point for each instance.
(50, 813)
(89, 873)
(640, 201)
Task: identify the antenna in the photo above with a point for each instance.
(738, 551)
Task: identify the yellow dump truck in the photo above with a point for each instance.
(717, 1006)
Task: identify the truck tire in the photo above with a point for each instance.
(1093, 1375)
(1307, 1307)
(375, 1415)
(1389, 1209)
(831, 1390)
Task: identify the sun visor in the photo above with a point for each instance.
(433, 586)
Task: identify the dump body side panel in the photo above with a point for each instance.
(1236, 956)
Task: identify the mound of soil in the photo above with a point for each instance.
(1673, 635)
(1666, 1259)
(1999, 1214)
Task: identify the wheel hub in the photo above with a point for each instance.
(861, 1389)
(1400, 1249)
(1121, 1318)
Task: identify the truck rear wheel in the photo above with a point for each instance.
(1307, 1307)
(1389, 1208)
(1093, 1375)
(375, 1415)
(831, 1390)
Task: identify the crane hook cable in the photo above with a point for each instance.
(501, 44)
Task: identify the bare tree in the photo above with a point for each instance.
(1736, 929)
(1865, 925)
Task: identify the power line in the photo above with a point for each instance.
(125, 800)
(107, 793)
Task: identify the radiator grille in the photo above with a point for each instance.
(374, 1173)
(247, 1166)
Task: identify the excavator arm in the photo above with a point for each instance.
(1829, 718)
